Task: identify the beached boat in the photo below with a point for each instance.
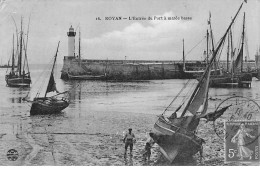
(21, 76)
(43, 103)
(177, 133)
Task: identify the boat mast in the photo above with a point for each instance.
(21, 48)
(79, 48)
(183, 56)
(232, 53)
(242, 46)
(17, 42)
(212, 41)
(207, 55)
(228, 54)
(25, 47)
(210, 63)
(13, 56)
(55, 57)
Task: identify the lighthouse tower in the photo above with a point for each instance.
(71, 41)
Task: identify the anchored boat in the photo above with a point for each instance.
(43, 103)
(235, 76)
(21, 76)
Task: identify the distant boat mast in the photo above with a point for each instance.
(183, 56)
(79, 47)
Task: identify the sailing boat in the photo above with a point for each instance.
(49, 104)
(87, 75)
(194, 72)
(177, 135)
(236, 76)
(19, 77)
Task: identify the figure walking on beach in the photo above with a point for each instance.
(129, 141)
(147, 153)
(243, 151)
(147, 149)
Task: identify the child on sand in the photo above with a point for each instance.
(147, 153)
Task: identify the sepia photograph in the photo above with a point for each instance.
(129, 82)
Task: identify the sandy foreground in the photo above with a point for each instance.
(95, 139)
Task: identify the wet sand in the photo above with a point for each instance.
(95, 139)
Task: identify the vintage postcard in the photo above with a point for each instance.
(129, 83)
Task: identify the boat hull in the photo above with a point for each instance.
(194, 74)
(86, 77)
(242, 81)
(176, 146)
(18, 81)
(48, 106)
(174, 141)
(222, 81)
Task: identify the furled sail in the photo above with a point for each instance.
(51, 85)
(199, 102)
(239, 59)
(216, 114)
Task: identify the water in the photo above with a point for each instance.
(88, 132)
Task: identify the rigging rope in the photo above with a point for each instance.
(246, 47)
(37, 80)
(194, 46)
(45, 79)
(189, 92)
(176, 96)
(221, 49)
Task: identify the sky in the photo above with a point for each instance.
(116, 39)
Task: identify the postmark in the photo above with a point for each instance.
(239, 108)
(242, 141)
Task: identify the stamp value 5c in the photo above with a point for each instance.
(242, 141)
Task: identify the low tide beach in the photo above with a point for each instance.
(91, 129)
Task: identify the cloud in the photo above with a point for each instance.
(150, 39)
(2, 5)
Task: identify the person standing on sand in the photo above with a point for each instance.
(129, 141)
(147, 153)
(147, 149)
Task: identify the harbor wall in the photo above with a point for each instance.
(129, 69)
(121, 69)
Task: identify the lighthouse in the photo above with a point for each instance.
(71, 41)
